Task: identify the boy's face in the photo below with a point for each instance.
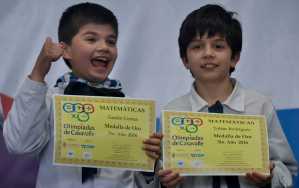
(92, 52)
(209, 58)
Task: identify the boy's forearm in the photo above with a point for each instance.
(40, 69)
(25, 130)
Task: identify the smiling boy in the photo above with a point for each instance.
(88, 36)
(210, 44)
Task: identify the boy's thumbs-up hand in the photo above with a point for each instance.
(50, 52)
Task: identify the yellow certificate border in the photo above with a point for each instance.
(147, 166)
(166, 115)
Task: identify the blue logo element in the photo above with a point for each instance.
(181, 163)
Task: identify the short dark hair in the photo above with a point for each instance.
(76, 16)
(211, 20)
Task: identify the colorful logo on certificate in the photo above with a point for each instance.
(190, 125)
(79, 111)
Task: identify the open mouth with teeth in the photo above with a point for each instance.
(100, 62)
(209, 66)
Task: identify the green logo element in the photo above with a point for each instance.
(191, 128)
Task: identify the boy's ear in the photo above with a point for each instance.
(66, 51)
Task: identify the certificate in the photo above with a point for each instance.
(197, 143)
(103, 132)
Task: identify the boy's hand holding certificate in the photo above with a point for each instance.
(214, 144)
(103, 132)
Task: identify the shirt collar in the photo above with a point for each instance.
(197, 103)
(236, 100)
(63, 81)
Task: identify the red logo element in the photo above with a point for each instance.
(6, 102)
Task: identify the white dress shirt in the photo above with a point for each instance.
(244, 101)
